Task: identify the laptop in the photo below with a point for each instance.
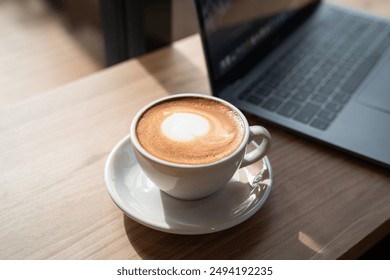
(311, 67)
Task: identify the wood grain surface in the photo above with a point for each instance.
(40, 51)
(54, 203)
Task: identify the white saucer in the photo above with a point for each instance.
(142, 201)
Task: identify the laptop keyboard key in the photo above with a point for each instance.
(307, 112)
(358, 76)
(243, 95)
(334, 107)
(301, 95)
(320, 98)
(255, 99)
(320, 124)
(288, 109)
(326, 90)
(272, 104)
(327, 115)
(282, 92)
(263, 92)
(341, 98)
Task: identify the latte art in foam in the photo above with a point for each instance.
(184, 126)
(190, 130)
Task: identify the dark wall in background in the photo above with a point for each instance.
(79, 12)
(132, 27)
(184, 19)
(135, 27)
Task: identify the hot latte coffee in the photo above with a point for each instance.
(190, 130)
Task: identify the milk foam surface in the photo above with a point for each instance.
(190, 130)
(184, 127)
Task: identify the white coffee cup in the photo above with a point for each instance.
(189, 182)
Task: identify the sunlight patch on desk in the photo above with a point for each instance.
(195, 58)
(311, 243)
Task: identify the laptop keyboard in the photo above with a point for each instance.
(314, 79)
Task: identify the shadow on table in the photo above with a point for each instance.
(175, 72)
(233, 243)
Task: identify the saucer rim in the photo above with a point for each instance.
(182, 230)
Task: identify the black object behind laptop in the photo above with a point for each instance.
(311, 67)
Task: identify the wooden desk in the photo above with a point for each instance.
(54, 204)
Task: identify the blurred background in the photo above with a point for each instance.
(48, 43)
(45, 44)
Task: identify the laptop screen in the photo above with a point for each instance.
(237, 33)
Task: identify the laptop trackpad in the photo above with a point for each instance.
(377, 92)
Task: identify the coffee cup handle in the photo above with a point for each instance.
(257, 132)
